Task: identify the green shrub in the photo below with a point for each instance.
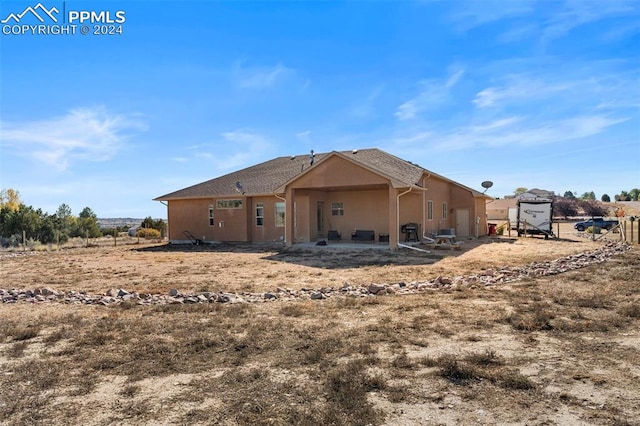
(149, 233)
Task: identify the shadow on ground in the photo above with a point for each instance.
(332, 257)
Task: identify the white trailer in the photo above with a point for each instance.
(513, 218)
(535, 216)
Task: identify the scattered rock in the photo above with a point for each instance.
(48, 292)
(376, 288)
(112, 292)
(482, 279)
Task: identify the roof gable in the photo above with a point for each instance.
(372, 161)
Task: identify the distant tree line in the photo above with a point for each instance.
(17, 218)
(564, 206)
(632, 195)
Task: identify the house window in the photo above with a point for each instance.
(280, 209)
(211, 221)
(337, 209)
(229, 204)
(445, 210)
(259, 214)
(430, 210)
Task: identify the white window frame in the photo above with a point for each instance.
(281, 211)
(260, 214)
(212, 221)
(429, 209)
(229, 204)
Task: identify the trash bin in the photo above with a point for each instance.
(492, 228)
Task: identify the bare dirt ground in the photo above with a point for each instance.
(556, 350)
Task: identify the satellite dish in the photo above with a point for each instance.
(239, 187)
(486, 185)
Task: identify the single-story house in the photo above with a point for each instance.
(499, 209)
(320, 196)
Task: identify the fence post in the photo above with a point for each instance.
(24, 240)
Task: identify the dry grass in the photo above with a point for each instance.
(562, 349)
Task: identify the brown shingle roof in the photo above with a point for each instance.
(265, 178)
(502, 204)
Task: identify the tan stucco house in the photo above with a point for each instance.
(302, 198)
(499, 209)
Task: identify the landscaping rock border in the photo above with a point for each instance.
(485, 278)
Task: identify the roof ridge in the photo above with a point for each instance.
(267, 176)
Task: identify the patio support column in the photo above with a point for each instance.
(393, 218)
(289, 220)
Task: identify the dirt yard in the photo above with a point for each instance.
(563, 349)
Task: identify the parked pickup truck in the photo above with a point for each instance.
(598, 222)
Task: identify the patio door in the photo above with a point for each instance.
(320, 218)
(462, 222)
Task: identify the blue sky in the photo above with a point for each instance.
(530, 94)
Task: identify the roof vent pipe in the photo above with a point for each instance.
(355, 151)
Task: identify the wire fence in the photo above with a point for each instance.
(627, 231)
(122, 239)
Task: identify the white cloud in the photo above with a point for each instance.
(407, 110)
(241, 148)
(521, 30)
(496, 124)
(260, 77)
(304, 137)
(522, 131)
(366, 107)
(456, 75)
(432, 93)
(518, 88)
(422, 136)
(546, 21)
(526, 103)
(88, 134)
(574, 13)
(230, 150)
(471, 14)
